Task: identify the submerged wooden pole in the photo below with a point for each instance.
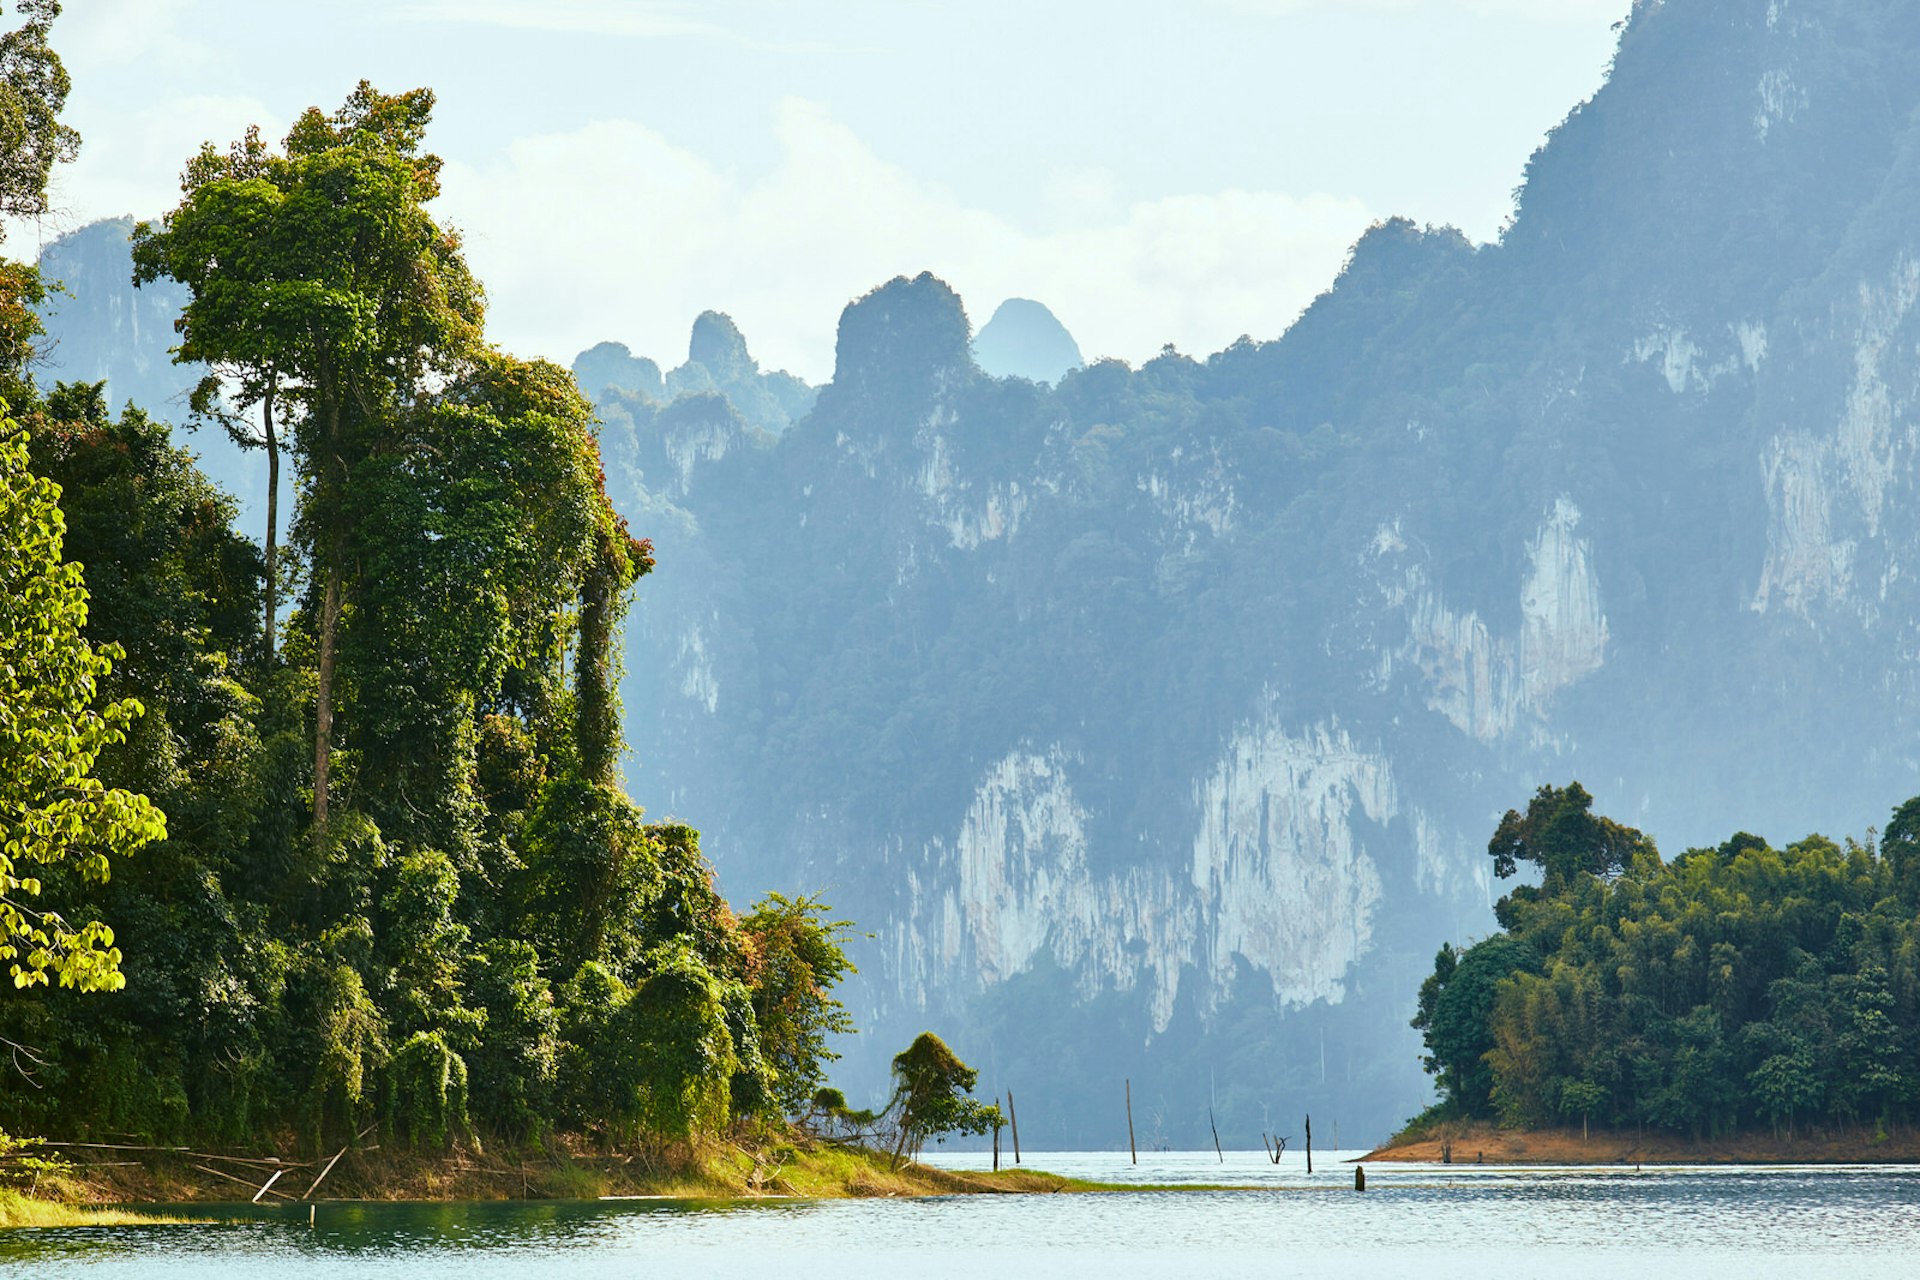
(1309, 1144)
(267, 1185)
(1013, 1117)
(1359, 1177)
(1216, 1136)
(1130, 1143)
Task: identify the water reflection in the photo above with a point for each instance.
(1430, 1220)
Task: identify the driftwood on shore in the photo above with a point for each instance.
(323, 1174)
(268, 1189)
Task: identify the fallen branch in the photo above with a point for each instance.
(308, 1195)
(265, 1162)
(115, 1146)
(242, 1181)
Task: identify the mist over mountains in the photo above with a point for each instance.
(1154, 720)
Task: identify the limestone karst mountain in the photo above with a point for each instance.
(1155, 722)
(717, 363)
(100, 328)
(1025, 340)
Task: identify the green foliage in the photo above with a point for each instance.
(53, 811)
(1737, 987)
(590, 872)
(348, 1045)
(797, 957)
(400, 886)
(675, 1026)
(24, 1161)
(33, 90)
(931, 1089)
(422, 947)
(515, 1064)
(426, 1098)
(1454, 1008)
(1560, 835)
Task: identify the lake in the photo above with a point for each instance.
(1423, 1221)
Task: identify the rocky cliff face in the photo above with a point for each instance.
(101, 328)
(1155, 721)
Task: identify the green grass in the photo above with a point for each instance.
(18, 1210)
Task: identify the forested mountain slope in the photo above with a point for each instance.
(1155, 722)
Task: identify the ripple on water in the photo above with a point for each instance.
(1429, 1221)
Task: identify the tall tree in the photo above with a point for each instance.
(239, 328)
(1562, 835)
(337, 292)
(797, 958)
(33, 90)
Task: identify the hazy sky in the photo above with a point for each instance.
(1154, 172)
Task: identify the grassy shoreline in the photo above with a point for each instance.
(18, 1209)
(1472, 1143)
(558, 1170)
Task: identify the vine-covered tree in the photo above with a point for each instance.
(797, 954)
(319, 275)
(932, 1092)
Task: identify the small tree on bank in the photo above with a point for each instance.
(931, 1095)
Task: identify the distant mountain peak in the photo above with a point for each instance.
(902, 335)
(718, 344)
(612, 364)
(1026, 340)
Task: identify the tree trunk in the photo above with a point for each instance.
(323, 707)
(334, 553)
(273, 518)
(597, 720)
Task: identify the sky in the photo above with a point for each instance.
(1153, 172)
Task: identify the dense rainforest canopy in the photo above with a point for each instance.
(1734, 988)
(388, 876)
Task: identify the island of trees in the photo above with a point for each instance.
(1737, 989)
(317, 837)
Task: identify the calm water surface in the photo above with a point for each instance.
(1417, 1221)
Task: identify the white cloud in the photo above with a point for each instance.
(613, 232)
(130, 161)
(100, 34)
